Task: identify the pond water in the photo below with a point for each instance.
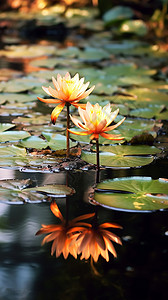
(28, 271)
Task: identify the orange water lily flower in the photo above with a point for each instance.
(63, 234)
(96, 121)
(96, 240)
(66, 90)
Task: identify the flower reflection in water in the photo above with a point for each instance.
(62, 234)
(80, 238)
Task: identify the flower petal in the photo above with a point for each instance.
(115, 137)
(57, 110)
(85, 94)
(79, 133)
(115, 126)
(55, 210)
(49, 100)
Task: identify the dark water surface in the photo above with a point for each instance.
(29, 272)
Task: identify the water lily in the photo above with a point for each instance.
(67, 90)
(63, 234)
(97, 240)
(96, 122)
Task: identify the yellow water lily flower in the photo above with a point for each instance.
(96, 121)
(66, 91)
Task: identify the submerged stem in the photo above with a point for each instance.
(98, 162)
(67, 132)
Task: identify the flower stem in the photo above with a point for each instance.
(67, 133)
(98, 162)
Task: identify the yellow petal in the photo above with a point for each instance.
(55, 113)
(79, 133)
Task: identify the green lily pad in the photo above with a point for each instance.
(19, 85)
(148, 112)
(117, 14)
(57, 141)
(149, 95)
(138, 194)
(27, 51)
(5, 126)
(12, 150)
(137, 27)
(15, 97)
(34, 119)
(18, 191)
(33, 142)
(93, 54)
(53, 140)
(13, 135)
(122, 156)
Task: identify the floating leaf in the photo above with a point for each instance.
(15, 97)
(5, 126)
(56, 141)
(93, 54)
(122, 156)
(12, 150)
(13, 135)
(33, 142)
(148, 112)
(27, 51)
(138, 194)
(117, 14)
(137, 27)
(53, 140)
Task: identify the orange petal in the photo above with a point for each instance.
(79, 133)
(49, 100)
(83, 217)
(77, 105)
(55, 210)
(115, 137)
(57, 110)
(101, 125)
(112, 225)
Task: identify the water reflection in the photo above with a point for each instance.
(76, 237)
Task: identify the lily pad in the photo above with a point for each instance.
(15, 97)
(13, 135)
(12, 150)
(148, 112)
(117, 14)
(93, 54)
(53, 140)
(5, 126)
(139, 194)
(137, 27)
(122, 156)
